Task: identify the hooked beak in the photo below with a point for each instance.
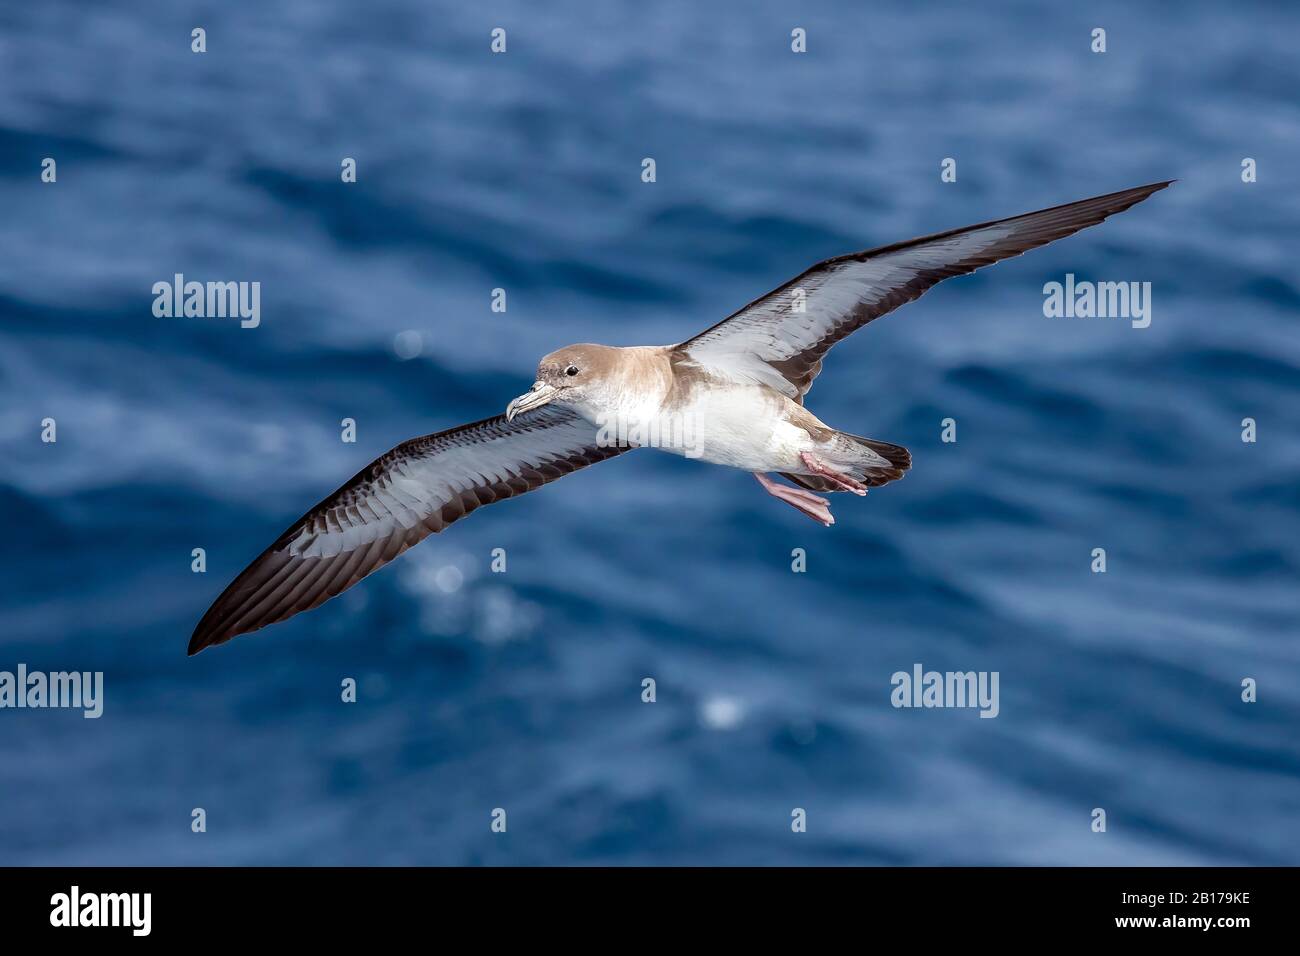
(538, 395)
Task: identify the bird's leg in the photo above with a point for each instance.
(819, 467)
(812, 505)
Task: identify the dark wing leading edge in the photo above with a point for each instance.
(415, 490)
(770, 342)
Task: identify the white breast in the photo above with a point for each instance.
(741, 426)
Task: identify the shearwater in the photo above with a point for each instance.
(741, 383)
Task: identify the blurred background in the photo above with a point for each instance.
(522, 690)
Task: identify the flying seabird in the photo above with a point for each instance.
(736, 388)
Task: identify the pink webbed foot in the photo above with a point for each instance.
(802, 500)
(819, 467)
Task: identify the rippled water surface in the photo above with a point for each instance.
(522, 690)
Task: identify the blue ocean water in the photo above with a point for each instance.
(522, 690)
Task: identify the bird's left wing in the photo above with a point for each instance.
(415, 490)
(780, 339)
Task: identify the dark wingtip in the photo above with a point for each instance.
(1150, 188)
(1131, 197)
(1142, 192)
(205, 635)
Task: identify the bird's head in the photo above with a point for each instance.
(576, 376)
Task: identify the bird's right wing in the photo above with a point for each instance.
(415, 490)
(779, 340)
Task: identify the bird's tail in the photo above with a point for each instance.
(866, 460)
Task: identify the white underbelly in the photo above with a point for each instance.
(737, 427)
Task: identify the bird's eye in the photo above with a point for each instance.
(571, 370)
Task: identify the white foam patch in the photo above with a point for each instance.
(722, 712)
